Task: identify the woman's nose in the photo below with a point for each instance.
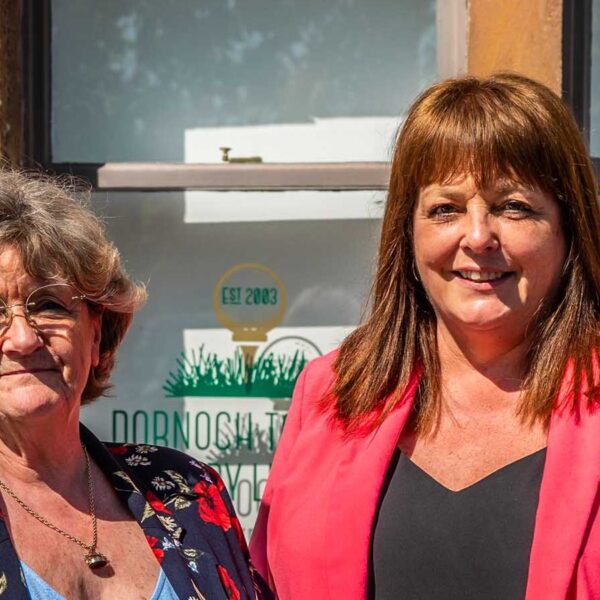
(20, 337)
(479, 233)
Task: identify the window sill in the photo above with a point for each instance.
(232, 176)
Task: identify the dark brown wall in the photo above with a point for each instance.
(10, 80)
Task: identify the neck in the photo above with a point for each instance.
(41, 450)
(491, 353)
(481, 372)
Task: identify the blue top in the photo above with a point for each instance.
(183, 510)
(40, 590)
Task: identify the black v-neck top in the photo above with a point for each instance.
(430, 543)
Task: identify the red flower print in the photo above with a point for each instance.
(156, 504)
(232, 592)
(158, 552)
(119, 449)
(211, 507)
(216, 478)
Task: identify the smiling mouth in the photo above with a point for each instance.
(479, 276)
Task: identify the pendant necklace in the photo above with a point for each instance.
(93, 558)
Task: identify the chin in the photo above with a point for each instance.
(482, 326)
(30, 401)
(485, 320)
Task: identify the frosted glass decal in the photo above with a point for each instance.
(243, 207)
(235, 311)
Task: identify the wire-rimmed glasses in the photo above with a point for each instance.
(52, 306)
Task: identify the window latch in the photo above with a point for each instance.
(238, 159)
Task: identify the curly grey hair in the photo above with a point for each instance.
(59, 238)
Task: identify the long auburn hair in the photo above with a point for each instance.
(504, 126)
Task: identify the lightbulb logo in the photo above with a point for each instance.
(249, 300)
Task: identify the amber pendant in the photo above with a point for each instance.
(95, 560)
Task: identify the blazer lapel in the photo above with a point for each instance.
(361, 470)
(568, 494)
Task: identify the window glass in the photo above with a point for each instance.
(290, 81)
(180, 377)
(595, 83)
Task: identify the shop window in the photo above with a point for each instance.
(284, 85)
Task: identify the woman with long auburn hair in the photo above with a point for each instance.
(450, 449)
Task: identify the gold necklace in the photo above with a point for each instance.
(93, 558)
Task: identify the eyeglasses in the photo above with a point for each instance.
(53, 306)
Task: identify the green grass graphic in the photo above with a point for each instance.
(205, 374)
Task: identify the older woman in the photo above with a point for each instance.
(451, 448)
(80, 519)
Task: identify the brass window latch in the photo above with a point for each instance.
(237, 159)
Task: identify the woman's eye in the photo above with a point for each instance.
(47, 305)
(442, 211)
(516, 207)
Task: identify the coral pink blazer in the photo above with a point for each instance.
(312, 538)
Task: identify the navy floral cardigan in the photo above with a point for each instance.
(187, 517)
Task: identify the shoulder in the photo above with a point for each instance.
(319, 373)
(312, 389)
(189, 498)
(162, 466)
(579, 388)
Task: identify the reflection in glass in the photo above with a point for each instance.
(321, 80)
